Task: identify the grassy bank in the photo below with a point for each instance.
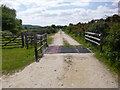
(16, 59)
(99, 55)
(0, 61)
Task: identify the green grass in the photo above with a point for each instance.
(11, 44)
(87, 44)
(107, 62)
(79, 39)
(50, 41)
(16, 59)
(50, 34)
(0, 61)
(49, 38)
(66, 44)
(99, 55)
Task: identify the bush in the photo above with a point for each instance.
(99, 27)
(113, 44)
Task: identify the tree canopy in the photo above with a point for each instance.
(9, 20)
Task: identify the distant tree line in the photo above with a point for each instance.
(46, 29)
(9, 21)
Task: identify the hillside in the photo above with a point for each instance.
(31, 26)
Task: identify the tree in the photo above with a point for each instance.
(53, 26)
(18, 24)
(114, 18)
(9, 20)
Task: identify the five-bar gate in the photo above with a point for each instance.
(94, 38)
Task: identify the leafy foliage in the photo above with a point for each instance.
(113, 49)
(99, 27)
(9, 20)
(47, 29)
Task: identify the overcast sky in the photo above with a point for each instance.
(61, 12)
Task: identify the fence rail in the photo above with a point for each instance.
(25, 39)
(12, 40)
(94, 38)
(40, 44)
(29, 39)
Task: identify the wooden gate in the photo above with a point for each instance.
(26, 39)
(40, 45)
(29, 39)
(39, 41)
(12, 40)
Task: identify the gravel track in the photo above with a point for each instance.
(58, 40)
(68, 70)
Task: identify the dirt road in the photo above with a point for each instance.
(68, 70)
(58, 39)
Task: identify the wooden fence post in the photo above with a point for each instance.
(23, 42)
(41, 43)
(46, 41)
(26, 41)
(101, 43)
(35, 45)
(31, 39)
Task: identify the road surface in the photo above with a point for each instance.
(68, 70)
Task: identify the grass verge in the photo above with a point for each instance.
(16, 59)
(66, 44)
(0, 62)
(99, 55)
(50, 39)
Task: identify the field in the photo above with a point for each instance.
(15, 59)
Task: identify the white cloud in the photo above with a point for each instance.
(68, 16)
(115, 3)
(43, 3)
(39, 12)
(11, 3)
